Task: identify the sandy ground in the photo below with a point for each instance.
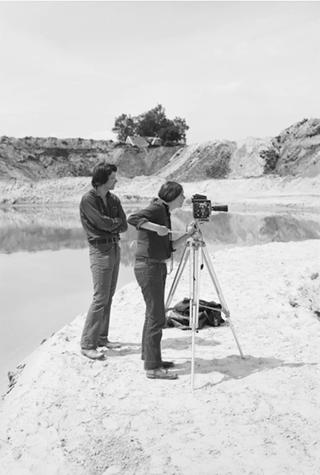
(259, 415)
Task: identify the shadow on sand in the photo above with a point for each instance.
(235, 367)
(231, 367)
(185, 342)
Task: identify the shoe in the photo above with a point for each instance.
(159, 373)
(167, 364)
(92, 354)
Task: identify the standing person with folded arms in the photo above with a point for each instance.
(102, 218)
(154, 247)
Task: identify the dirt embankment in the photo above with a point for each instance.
(295, 152)
(35, 158)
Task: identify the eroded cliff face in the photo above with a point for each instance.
(35, 157)
(294, 152)
(298, 147)
(201, 161)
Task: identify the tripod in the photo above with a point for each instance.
(194, 246)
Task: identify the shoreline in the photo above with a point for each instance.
(250, 195)
(68, 190)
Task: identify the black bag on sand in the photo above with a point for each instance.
(209, 315)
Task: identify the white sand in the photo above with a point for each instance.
(259, 416)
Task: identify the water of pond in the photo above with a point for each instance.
(44, 267)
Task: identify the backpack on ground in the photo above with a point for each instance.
(209, 315)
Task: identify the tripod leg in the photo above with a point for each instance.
(194, 305)
(220, 295)
(178, 274)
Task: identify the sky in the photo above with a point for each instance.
(231, 69)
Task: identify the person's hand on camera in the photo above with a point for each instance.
(191, 229)
(162, 230)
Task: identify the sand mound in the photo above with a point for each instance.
(69, 415)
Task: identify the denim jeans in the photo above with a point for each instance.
(104, 263)
(151, 277)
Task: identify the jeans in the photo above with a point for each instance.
(104, 263)
(151, 277)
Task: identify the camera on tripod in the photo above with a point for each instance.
(202, 207)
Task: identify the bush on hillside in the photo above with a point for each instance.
(270, 157)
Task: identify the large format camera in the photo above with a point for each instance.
(202, 207)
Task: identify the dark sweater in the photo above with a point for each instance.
(149, 243)
(102, 221)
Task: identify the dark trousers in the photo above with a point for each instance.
(151, 277)
(104, 263)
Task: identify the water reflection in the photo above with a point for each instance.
(250, 229)
(34, 229)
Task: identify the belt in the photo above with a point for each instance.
(151, 260)
(104, 241)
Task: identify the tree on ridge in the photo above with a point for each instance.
(153, 123)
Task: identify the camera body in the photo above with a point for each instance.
(202, 207)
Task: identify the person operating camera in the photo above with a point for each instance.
(154, 247)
